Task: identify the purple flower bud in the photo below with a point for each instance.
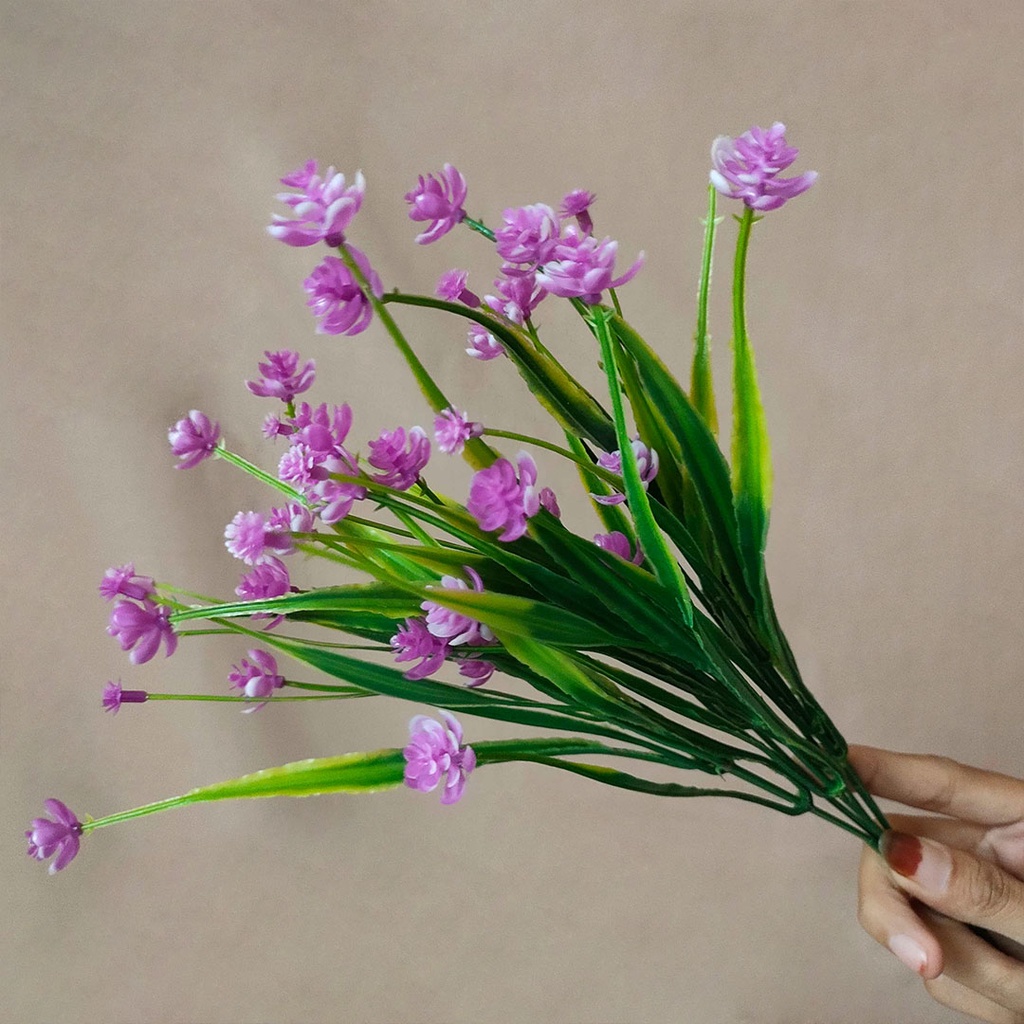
(434, 752)
(476, 671)
(452, 429)
(453, 626)
(123, 582)
(258, 677)
(292, 518)
(114, 696)
(61, 836)
(140, 628)
(438, 200)
(322, 209)
(399, 465)
(482, 344)
(500, 501)
(618, 544)
(451, 286)
(248, 537)
(193, 439)
(746, 168)
(282, 377)
(577, 204)
(519, 294)
(528, 235)
(336, 297)
(414, 641)
(646, 463)
(581, 267)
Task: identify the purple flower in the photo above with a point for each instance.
(193, 439)
(282, 377)
(519, 294)
(257, 678)
(336, 298)
(577, 204)
(618, 544)
(500, 501)
(581, 267)
(114, 696)
(438, 200)
(482, 344)
(453, 626)
(476, 671)
(451, 286)
(291, 518)
(414, 640)
(123, 582)
(263, 581)
(528, 235)
(324, 428)
(322, 209)
(248, 537)
(452, 429)
(646, 463)
(746, 168)
(399, 456)
(140, 628)
(435, 751)
(61, 836)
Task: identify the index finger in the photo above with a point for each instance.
(940, 784)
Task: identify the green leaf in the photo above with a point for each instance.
(650, 537)
(702, 388)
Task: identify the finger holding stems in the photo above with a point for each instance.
(936, 876)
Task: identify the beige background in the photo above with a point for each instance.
(141, 146)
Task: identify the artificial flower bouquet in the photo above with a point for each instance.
(650, 641)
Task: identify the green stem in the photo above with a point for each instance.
(615, 479)
(270, 481)
(702, 392)
(479, 227)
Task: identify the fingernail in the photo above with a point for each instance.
(909, 952)
(927, 863)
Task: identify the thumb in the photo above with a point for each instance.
(956, 883)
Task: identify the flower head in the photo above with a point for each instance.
(114, 696)
(258, 677)
(291, 518)
(581, 267)
(519, 293)
(482, 344)
(577, 204)
(59, 836)
(499, 500)
(747, 168)
(268, 579)
(438, 200)
(193, 439)
(452, 429)
(249, 538)
(476, 671)
(282, 377)
(414, 640)
(453, 626)
(451, 286)
(434, 752)
(618, 544)
(322, 208)
(646, 463)
(336, 297)
(399, 456)
(140, 628)
(528, 235)
(122, 581)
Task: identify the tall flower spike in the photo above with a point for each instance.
(747, 168)
(282, 377)
(434, 752)
(193, 439)
(581, 267)
(59, 836)
(141, 628)
(439, 201)
(336, 297)
(322, 208)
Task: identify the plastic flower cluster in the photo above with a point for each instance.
(650, 640)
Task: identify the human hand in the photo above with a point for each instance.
(935, 873)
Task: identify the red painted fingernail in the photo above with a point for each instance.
(902, 853)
